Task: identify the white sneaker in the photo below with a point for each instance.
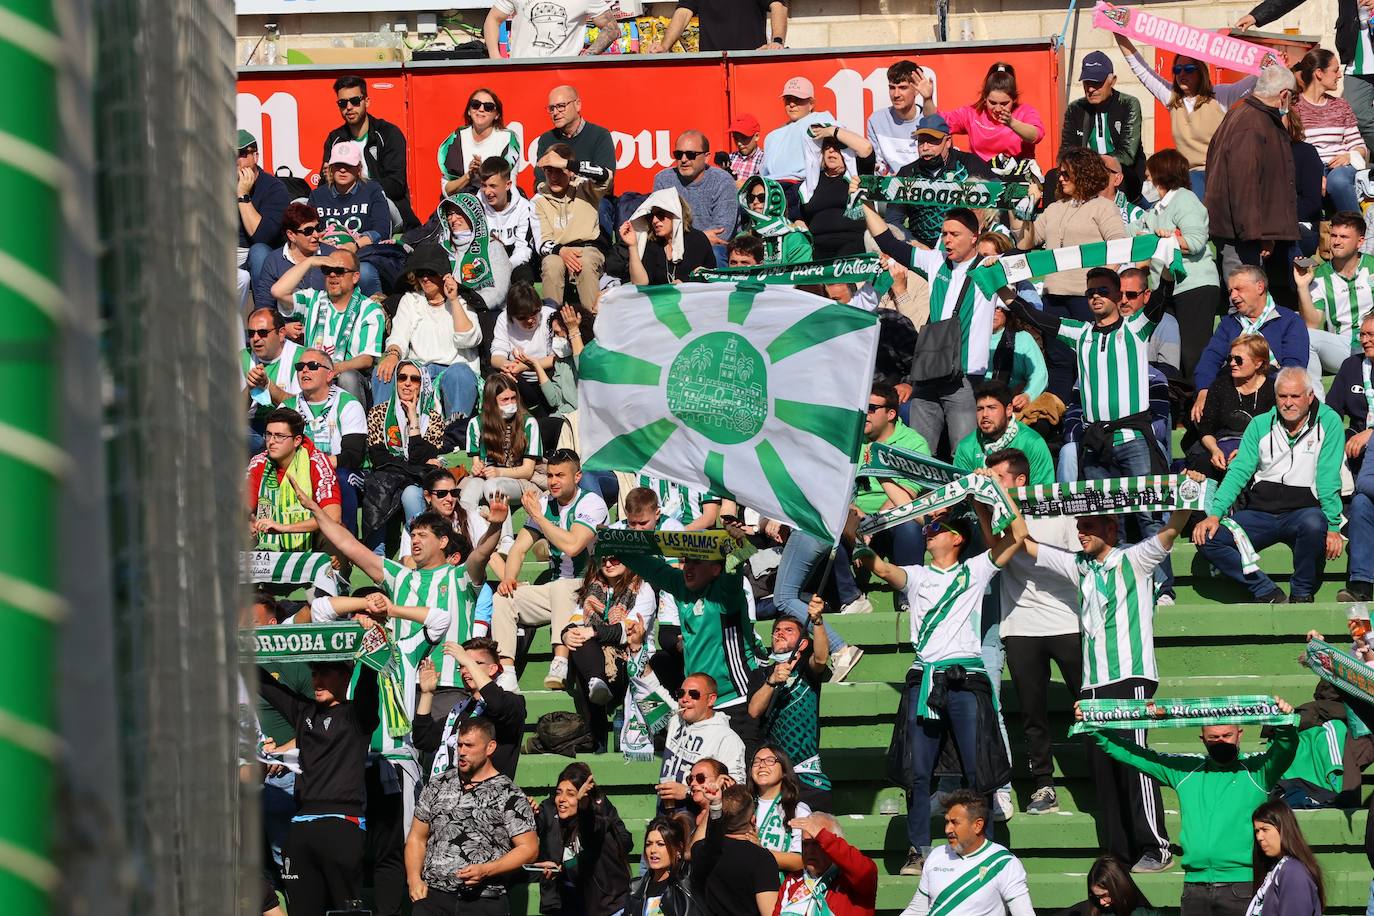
(860, 605)
(507, 680)
(1003, 809)
(843, 662)
(598, 691)
(558, 674)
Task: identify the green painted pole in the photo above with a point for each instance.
(31, 463)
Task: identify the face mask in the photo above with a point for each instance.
(780, 657)
(1223, 753)
(462, 238)
(508, 410)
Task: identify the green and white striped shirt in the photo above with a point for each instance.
(1113, 368)
(1343, 302)
(677, 501)
(587, 509)
(1363, 64)
(1117, 609)
(478, 448)
(344, 335)
(446, 588)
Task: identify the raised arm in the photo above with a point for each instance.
(890, 573)
(342, 539)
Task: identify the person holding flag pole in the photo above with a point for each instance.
(947, 688)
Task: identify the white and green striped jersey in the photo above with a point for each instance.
(587, 509)
(447, 588)
(280, 371)
(327, 422)
(975, 319)
(1344, 301)
(1363, 64)
(1113, 368)
(477, 447)
(947, 609)
(675, 500)
(355, 331)
(983, 883)
(1117, 608)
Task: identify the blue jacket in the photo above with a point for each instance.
(270, 199)
(272, 270)
(363, 209)
(1286, 333)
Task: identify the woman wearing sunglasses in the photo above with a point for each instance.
(1196, 107)
(301, 225)
(484, 133)
(404, 436)
(1235, 398)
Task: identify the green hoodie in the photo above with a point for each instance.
(783, 243)
(471, 264)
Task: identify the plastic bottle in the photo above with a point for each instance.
(1358, 617)
(271, 53)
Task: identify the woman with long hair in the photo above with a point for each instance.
(777, 791)
(1329, 124)
(1078, 216)
(1111, 889)
(504, 444)
(1195, 105)
(1235, 398)
(583, 845)
(1288, 880)
(998, 124)
(483, 134)
(1181, 216)
(661, 888)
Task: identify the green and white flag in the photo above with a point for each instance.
(888, 462)
(1013, 268)
(267, 567)
(1117, 496)
(925, 192)
(859, 268)
(980, 487)
(748, 391)
(1341, 670)
(1186, 712)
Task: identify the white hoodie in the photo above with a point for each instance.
(516, 227)
(686, 744)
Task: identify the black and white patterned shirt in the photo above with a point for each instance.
(470, 825)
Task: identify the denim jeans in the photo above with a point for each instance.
(603, 483)
(801, 556)
(1221, 899)
(1302, 529)
(960, 719)
(1197, 180)
(1131, 459)
(1340, 187)
(368, 279)
(457, 385)
(278, 807)
(948, 409)
(1359, 92)
(350, 489)
(258, 253)
(1361, 525)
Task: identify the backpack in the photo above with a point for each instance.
(296, 188)
(563, 733)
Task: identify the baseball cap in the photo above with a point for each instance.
(799, 87)
(346, 154)
(933, 126)
(745, 124)
(1096, 68)
(246, 139)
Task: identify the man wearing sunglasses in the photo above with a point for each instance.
(696, 732)
(268, 367)
(709, 191)
(1165, 349)
(336, 423)
(301, 225)
(381, 144)
(948, 693)
(261, 199)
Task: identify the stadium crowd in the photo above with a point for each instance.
(410, 372)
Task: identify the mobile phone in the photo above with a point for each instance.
(540, 868)
(1304, 262)
(729, 520)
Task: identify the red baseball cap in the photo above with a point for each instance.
(745, 124)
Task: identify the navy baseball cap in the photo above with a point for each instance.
(1097, 66)
(933, 126)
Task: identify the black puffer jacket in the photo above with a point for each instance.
(676, 900)
(1347, 22)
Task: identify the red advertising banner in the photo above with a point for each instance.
(645, 102)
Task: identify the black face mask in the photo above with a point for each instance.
(1223, 753)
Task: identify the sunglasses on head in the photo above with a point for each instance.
(312, 365)
(259, 332)
(312, 229)
(562, 456)
(351, 102)
(689, 154)
(331, 271)
(450, 493)
(692, 692)
(477, 105)
(407, 377)
(1184, 68)
(1105, 292)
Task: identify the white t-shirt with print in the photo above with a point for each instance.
(549, 28)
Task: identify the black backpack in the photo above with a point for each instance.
(296, 188)
(563, 733)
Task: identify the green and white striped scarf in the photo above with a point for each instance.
(1249, 556)
(1011, 269)
(859, 268)
(269, 567)
(1116, 496)
(1341, 670)
(926, 192)
(1177, 712)
(979, 487)
(649, 707)
(888, 462)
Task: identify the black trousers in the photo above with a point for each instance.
(1226, 898)
(386, 841)
(1196, 311)
(445, 903)
(1029, 657)
(1130, 812)
(321, 865)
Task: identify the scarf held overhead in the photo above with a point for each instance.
(926, 192)
(1117, 496)
(1341, 670)
(859, 268)
(1180, 713)
(1011, 269)
(984, 489)
(889, 462)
